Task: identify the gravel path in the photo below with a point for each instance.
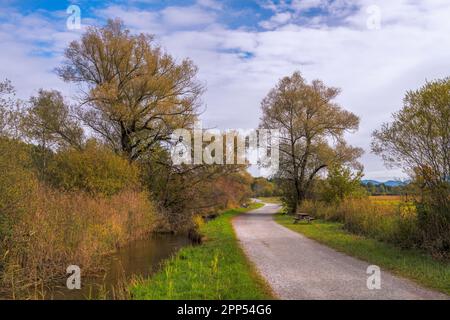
(299, 268)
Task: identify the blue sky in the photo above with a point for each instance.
(235, 13)
(374, 50)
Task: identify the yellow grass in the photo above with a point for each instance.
(376, 219)
(385, 198)
(60, 229)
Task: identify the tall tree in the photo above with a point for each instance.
(135, 94)
(418, 140)
(312, 128)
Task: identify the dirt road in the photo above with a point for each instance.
(299, 268)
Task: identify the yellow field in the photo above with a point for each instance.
(386, 200)
(381, 200)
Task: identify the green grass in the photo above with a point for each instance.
(411, 264)
(215, 270)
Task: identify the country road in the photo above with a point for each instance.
(299, 268)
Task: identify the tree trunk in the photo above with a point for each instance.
(126, 143)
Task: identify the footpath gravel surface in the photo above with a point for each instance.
(299, 268)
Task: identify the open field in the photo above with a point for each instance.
(218, 269)
(387, 200)
(412, 264)
(275, 200)
(391, 200)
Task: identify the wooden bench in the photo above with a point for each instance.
(303, 217)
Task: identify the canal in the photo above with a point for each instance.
(139, 259)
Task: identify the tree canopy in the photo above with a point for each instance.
(312, 128)
(49, 121)
(134, 94)
(418, 138)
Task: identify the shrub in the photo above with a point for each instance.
(95, 169)
(434, 223)
(96, 209)
(63, 228)
(341, 184)
(397, 224)
(17, 183)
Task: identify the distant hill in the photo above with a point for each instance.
(374, 182)
(390, 183)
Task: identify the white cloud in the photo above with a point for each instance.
(134, 18)
(32, 47)
(166, 20)
(277, 20)
(211, 4)
(187, 16)
(300, 5)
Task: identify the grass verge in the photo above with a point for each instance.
(411, 264)
(216, 270)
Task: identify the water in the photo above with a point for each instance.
(139, 259)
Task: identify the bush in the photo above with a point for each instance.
(17, 183)
(95, 169)
(397, 224)
(96, 209)
(60, 229)
(341, 184)
(434, 223)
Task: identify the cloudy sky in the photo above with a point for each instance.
(374, 50)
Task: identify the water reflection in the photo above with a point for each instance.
(139, 259)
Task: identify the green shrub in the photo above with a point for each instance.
(341, 184)
(95, 169)
(434, 224)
